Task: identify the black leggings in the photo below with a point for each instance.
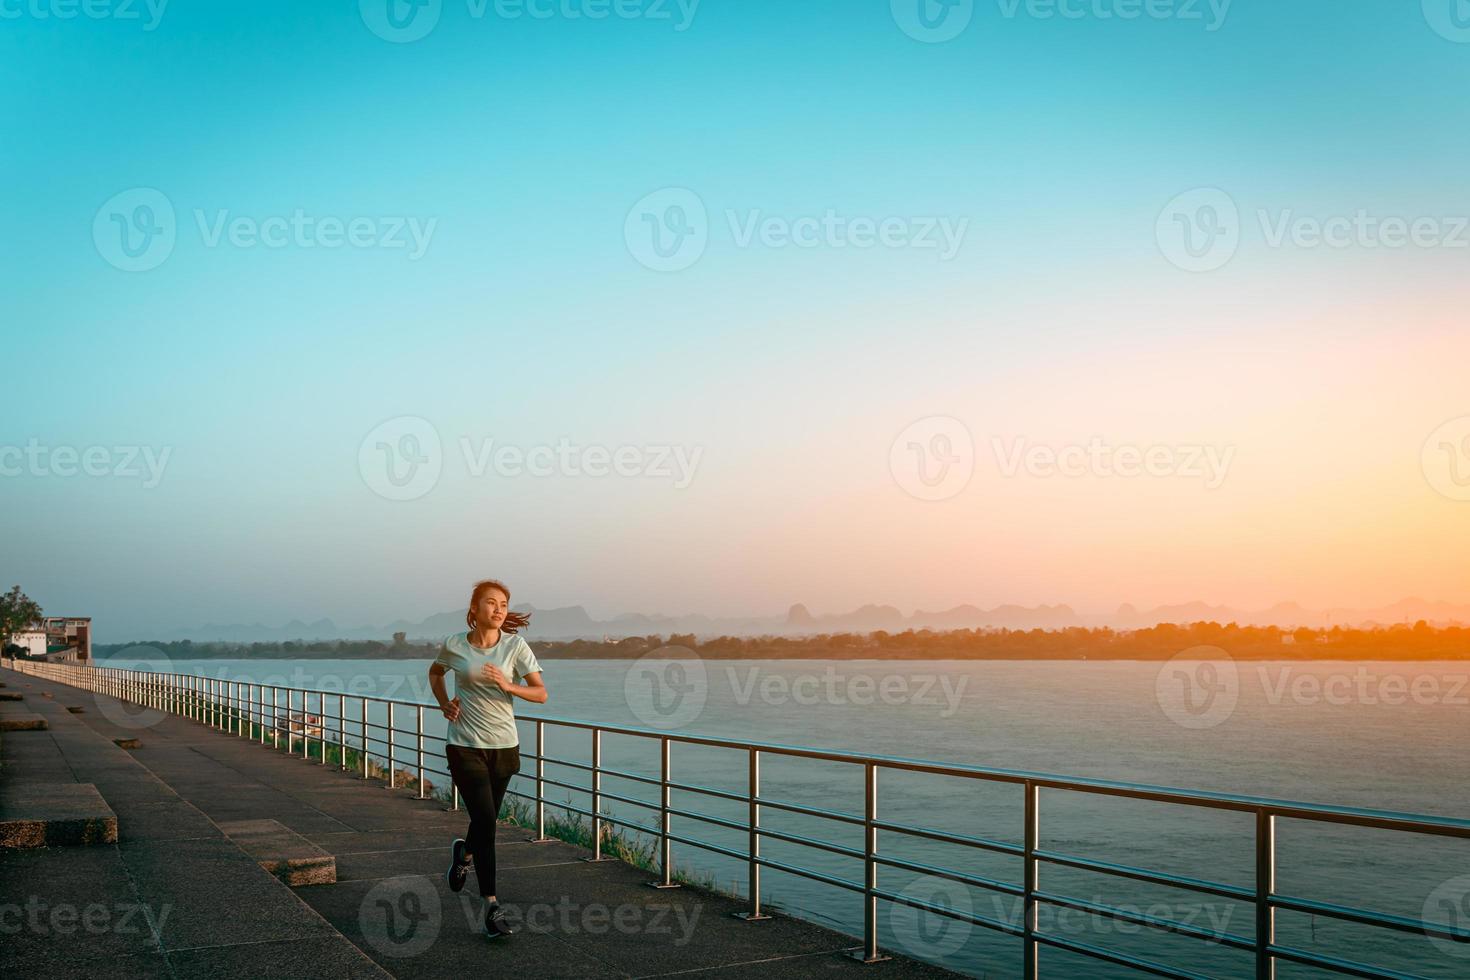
(482, 776)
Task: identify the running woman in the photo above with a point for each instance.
(489, 663)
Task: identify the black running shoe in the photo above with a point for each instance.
(495, 923)
(459, 865)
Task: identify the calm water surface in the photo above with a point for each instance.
(1378, 735)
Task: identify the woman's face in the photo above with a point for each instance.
(490, 611)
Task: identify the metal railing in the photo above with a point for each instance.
(246, 708)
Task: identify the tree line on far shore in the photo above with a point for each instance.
(1418, 642)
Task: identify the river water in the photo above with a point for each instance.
(1363, 734)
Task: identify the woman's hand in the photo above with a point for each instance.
(494, 675)
(451, 709)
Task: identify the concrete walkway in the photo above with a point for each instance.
(174, 896)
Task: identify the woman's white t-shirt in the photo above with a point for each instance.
(486, 718)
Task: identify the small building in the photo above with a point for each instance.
(32, 642)
(68, 637)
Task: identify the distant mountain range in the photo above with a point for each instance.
(573, 622)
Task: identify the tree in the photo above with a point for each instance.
(17, 612)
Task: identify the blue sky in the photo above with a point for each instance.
(518, 146)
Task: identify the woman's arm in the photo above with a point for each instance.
(436, 684)
(533, 690)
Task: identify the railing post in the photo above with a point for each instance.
(597, 797)
(1032, 835)
(363, 704)
(753, 821)
(276, 716)
(419, 734)
(342, 732)
(540, 837)
(665, 847)
(1265, 888)
(392, 754)
(869, 953)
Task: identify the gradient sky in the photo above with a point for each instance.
(530, 318)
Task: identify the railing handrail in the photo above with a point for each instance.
(1291, 809)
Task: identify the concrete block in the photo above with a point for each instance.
(53, 814)
(283, 852)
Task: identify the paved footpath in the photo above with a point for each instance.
(176, 897)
